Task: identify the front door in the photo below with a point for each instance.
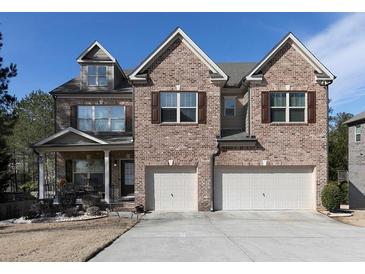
(127, 178)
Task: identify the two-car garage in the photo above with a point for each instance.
(235, 188)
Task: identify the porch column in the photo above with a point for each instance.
(41, 176)
(107, 175)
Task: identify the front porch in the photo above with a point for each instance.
(87, 165)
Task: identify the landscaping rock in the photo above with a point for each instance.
(93, 211)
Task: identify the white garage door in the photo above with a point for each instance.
(263, 188)
(171, 188)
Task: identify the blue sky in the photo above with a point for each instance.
(45, 45)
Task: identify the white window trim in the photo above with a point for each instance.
(287, 108)
(234, 108)
(356, 134)
(97, 76)
(109, 118)
(178, 107)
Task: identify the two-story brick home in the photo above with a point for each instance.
(356, 160)
(181, 132)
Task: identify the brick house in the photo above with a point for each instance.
(181, 132)
(356, 160)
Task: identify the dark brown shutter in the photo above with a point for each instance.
(311, 107)
(128, 118)
(202, 107)
(68, 170)
(155, 107)
(73, 117)
(265, 109)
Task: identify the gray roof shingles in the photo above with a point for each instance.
(235, 71)
(357, 118)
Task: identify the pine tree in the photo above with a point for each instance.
(7, 119)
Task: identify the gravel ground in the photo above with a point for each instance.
(358, 218)
(59, 242)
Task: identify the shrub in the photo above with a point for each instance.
(90, 200)
(344, 188)
(331, 197)
(72, 212)
(93, 211)
(29, 186)
(42, 208)
(67, 200)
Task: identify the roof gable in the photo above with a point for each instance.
(70, 136)
(139, 72)
(95, 53)
(323, 72)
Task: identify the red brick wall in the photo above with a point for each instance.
(187, 145)
(286, 145)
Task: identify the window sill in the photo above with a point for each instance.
(289, 124)
(179, 124)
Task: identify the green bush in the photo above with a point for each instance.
(29, 186)
(344, 187)
(42, 208)
(67, 200)
(331, 197)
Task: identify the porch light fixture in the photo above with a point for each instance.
(171, 162)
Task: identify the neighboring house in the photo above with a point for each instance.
(181, 132)
(356, 164)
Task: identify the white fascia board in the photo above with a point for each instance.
(67, 130)
(299, 46)
(191, 45)
(96, 43)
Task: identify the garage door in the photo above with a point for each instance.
(171, 188)
(263, 188)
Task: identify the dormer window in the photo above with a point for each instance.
(96, 76)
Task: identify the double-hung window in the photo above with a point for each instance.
(89, 173)
(288, 107)
(96, 76)
(229, 106)
(178, 107)
(101, 118)
(358, 133)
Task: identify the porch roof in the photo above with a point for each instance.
(71, 139)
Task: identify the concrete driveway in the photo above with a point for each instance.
(238, 236)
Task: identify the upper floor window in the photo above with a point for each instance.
(101, 118)
(229, 106)
(178, 107)
(96, 76)
(288, 107)
(358, 133)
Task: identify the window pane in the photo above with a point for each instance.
(168, 99)
(297, 99)
(229, 103)
(118, 112)
(296, 115)
(168, 115)
(229, 112)
(188, 99)
(97, 182)
(278, 115)
(118, 125)
(81, 166)
(187, 115)
(278, 99)
(91, 80)
(84, 112)
(96, 166)
(101, 124)
(129, 174)
(102, 81)
(91, 70)
(102, 71)
(86, 124)
(358, 129)
(102, 112)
